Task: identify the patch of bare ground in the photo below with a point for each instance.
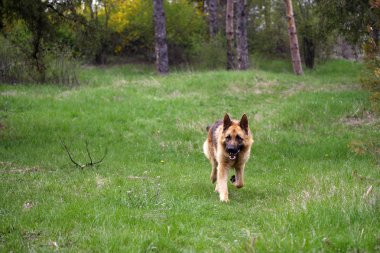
(11, 168)
(360, 147)
(145, 176)
(146, 83)
(7, 93)
(30, 235)
(176, 94)
(64, 94)
(359, 119)
(27, 206)
(302, 87)
(198, 126)
(100, 181)
(320, 189)
(120, 83)
(294, 89)
(260, 87)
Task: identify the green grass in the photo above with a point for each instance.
(152, 192)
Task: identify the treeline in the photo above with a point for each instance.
(45, 40)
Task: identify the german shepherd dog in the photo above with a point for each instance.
(228, 145)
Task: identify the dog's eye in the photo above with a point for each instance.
(238, 138)
(228, 138)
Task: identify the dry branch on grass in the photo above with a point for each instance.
(91, 163)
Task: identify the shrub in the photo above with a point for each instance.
(62, 67)
(16, 66)
(184, 25)
(209, 54)
(370, 77)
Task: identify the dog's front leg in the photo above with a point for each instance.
(221, 182)
(239, 180)
(213, 175)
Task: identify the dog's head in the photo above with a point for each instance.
(235, 136)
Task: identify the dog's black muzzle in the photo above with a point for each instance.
(232, 152)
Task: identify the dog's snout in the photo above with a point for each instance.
(231, 149)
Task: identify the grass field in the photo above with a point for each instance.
(312, 183)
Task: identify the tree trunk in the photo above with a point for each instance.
(375, 35)
(37, 54)
(89, 3)
(241, 35)
(212, 17)
(267, 14)
(230, 33)
(162, 62)
(201, 5)
(293, 40)
(106, 13)
(309, 52)
(38, 58)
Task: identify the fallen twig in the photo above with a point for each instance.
(82, 166)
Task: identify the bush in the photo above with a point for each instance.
(209, 54)
(62, 68)
(17, 67)
(14, 67)
(370, 77)
(184, 25)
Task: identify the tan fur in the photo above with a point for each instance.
(223, 133)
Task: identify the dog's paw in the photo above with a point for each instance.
(233, 179)
(224, 197)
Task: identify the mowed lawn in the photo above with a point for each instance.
(312, 183)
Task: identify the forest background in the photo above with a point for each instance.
(46, 41)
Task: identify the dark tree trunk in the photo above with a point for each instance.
(267, 14)
(162, 62)
(89, 2)
(213, 17)
(309, 52)
(1, 16)
(230, 33)
(241, 35)
(201, 5)
(293, 40)
(37, 54)
(38, 58)
(375, 35)
(100, 58)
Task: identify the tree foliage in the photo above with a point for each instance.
(349, 17)
(35, 33)
(370, 77)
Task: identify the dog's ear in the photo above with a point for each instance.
(226, 122)
(244, 123)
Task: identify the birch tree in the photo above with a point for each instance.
(213, 17)
(293, 40)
